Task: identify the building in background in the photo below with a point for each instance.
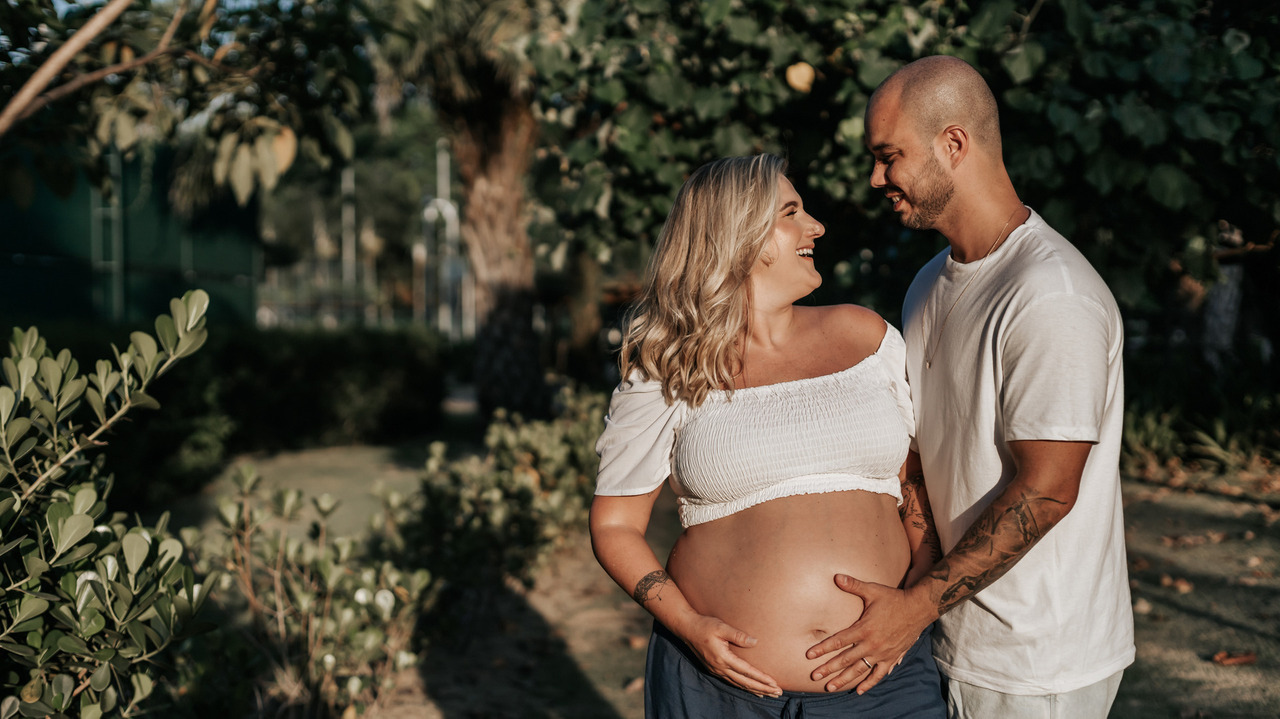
(117, 257)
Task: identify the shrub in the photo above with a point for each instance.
(269, 390)
(315, 625)
(480, 519)
(88, 601)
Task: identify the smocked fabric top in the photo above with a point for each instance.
(846, 430)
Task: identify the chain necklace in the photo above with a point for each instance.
(924, 345)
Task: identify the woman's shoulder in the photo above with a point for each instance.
(851, 322)
(849, 331)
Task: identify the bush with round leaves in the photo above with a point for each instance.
(88, 598)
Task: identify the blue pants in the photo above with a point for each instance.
(677, 686)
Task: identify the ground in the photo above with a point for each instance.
(1204, 578)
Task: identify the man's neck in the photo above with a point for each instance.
(978, 234)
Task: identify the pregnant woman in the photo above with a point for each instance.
(784, 432)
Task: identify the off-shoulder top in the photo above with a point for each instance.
(847, 430)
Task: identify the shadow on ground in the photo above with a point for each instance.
(1203, 576)
(498, 657)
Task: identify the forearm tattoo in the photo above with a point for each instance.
(1005, 532)
(915, 510)
(650, 587)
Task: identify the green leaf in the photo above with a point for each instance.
(167, 333)
(142, 687)
(95, 401)
(51, 373)
(84, 499)
(17, 428)
(1023, 61)
(29, 608)
(142, 400)
(8, 400)
(101, 677)
(8, 707)
(178, 309)
(93, 622)
(146, 350)
(197, 303)
(193, 341)
(72, 644)
(169, 553)
(136, 547)
(20, 650)
(71, 391)
(72, 530)
(742, 29)
(27, 368)
(989, 24)
(715, 12)
(76, 555)
(1171, 187)
(610, 92)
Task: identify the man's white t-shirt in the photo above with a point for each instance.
(1030, 351)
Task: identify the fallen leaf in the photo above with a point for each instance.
(1141, 606)
(1227, 659)
(1253, 561)
(1183, 586)
(635, 641)
(634, 685)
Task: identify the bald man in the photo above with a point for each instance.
(1014, 358)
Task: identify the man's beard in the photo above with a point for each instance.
(935, 190)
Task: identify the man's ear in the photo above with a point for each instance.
(953, 143)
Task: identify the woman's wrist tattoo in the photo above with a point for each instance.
(650, 587)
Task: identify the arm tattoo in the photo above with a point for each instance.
(650, 586)
(1006, 533)
(920, 514)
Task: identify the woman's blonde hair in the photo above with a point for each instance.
(688, 324)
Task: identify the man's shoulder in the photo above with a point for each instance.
(1049, 264)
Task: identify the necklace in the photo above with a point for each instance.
(924, 345)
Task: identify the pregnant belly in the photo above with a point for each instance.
(770, 570)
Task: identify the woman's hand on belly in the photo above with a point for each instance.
(713, 642)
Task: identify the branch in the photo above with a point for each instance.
(1026, 22)
(76, 83)
(51, 67)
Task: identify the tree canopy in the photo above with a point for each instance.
(1132, 127)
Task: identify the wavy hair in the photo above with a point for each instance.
(689, 321)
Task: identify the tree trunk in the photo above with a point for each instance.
(493, 169)
(587, 359)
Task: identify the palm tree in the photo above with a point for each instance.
(464, 54)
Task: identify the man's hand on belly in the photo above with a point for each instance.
(890, 623)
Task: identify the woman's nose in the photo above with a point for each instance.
(817, 230)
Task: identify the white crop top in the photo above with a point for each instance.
(846, 430)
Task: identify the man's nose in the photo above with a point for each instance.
(877, 175)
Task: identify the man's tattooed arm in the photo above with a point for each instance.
(918, 515)
(650, 586)
(1005, 531)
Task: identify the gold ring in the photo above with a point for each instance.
(864, 661)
